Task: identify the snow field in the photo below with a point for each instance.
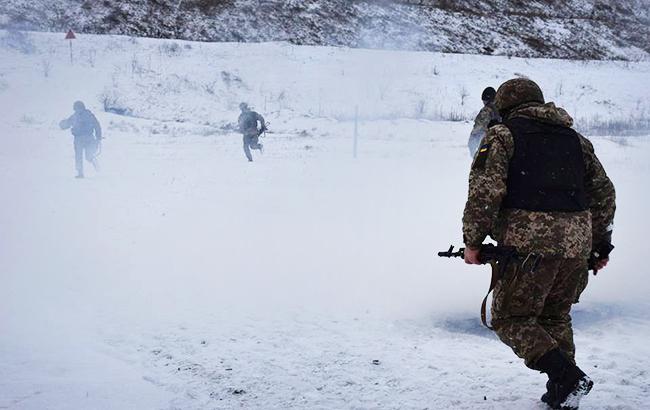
(182, 277)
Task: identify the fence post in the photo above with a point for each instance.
(356, 131)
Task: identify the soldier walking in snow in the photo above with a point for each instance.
(487, 115)
(87, 136)
(248, 126)
(537, 185)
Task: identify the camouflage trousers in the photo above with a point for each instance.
(85, 146)
(251, 142)
(531, 310)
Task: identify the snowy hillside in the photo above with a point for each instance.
(184, 277)
(199, 85)
(578, 29)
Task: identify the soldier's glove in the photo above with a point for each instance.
(599, 253)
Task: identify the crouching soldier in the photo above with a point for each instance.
(250, 129)
(87, 136)
(537, 185)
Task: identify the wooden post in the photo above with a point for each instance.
(356, 131)
(70, 36)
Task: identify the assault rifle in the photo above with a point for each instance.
(262, 131)
(488, 253)
(499, 257)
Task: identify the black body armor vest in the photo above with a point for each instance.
(547, 170)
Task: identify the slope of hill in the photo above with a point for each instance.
(203, 83)
(576, 29)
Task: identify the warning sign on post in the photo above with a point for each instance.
(70, 36)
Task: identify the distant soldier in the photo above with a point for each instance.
(251, 125)
(537, 185)
(487, 115)
(87, 136)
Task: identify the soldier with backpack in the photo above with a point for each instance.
(251, 125)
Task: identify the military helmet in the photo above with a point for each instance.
(78, 106)
(516, 92)
(488, 94)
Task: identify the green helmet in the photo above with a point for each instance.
(516, 92)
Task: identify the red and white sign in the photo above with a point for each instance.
(70, 35)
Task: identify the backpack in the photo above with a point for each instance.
(248, 121)
(84, 124)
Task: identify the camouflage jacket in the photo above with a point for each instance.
(248, 123)
(83, 124)
(564, 234)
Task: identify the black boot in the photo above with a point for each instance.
(549, 396)
(567, 384)
(572, 388)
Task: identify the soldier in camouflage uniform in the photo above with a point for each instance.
(537, 185)
(248, 125)
(487, 115)
(87, 136)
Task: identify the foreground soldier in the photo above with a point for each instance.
(87, 136)
(537, 185)
(248, 126)
(487, 115)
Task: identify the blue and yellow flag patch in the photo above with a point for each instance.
(481, 156)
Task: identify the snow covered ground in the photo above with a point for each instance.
(183, 277)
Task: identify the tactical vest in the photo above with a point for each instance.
(248, 121)
(84, 124)
(546, 172)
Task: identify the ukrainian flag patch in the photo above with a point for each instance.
(481, 156)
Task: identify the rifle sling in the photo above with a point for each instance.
(497, 272)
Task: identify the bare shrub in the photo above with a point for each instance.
(230, 79)
(19, 40)
(282, 100)
(462, 91)
(455, 116)
(136, 66)
(46, 66)
(170, 49)
(90, 56)
(111, 101)
(420, 108)
(210, 87)
(631, 126)
(559, 89)
(383, 90)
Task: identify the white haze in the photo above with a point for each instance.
(178, 230)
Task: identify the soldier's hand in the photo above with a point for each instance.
(600, 264)
(471, 256)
